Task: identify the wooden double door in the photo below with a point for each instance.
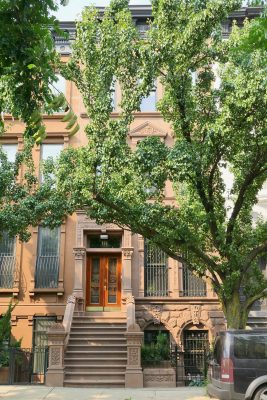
(103, 281)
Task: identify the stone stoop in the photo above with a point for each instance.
(96, 355)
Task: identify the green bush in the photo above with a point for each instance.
(156, 352)
(5, 336)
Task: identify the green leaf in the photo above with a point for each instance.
(31, 66)
(72, 122)
(68, 116)
(75, 130)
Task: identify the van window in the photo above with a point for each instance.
(218, 350)
(250, 346)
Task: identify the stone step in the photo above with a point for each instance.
(100, 314)
(82, 334)
(93, 361)
(104, 368)
(92, 339)
(101, 354)
(118, 383)
(98, 327)
(88, 375)
(98, 347)
(102, 324)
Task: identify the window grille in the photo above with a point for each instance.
(156, 271)
(193, 285)
(47, 265)
(7, 261)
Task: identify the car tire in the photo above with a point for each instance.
(261, 393)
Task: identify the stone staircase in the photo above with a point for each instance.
(96, 354)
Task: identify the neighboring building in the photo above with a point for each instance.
(104, 266)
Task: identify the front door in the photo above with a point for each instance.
(103, 282)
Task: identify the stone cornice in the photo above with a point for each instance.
(142, 12)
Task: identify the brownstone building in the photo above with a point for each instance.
(113, 279)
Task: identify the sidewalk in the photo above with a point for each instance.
(43, 393)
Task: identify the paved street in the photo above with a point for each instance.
(43, 392)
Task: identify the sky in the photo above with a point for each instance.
(72, 10)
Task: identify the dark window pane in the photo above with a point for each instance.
(250, 346)
(97, 243)
(7, 261)
(47, 266)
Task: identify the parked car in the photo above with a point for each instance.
(238, 369)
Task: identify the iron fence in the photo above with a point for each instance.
(191, 364)
(23, 366)
(46, 274)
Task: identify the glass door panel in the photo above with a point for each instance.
(103, 282)
(95, 281)
(112, 280)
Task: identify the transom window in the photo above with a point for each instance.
(103, 241)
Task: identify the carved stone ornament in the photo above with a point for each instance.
(129, 299)
(55, 356)
(147, 129)
(79, 252)
(195, 314)
(156, 312)
(133, 356)
(127, 253)
(71, 299)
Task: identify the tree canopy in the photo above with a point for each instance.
(215, 129)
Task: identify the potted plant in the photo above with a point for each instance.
(156, 363)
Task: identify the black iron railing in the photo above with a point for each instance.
(156, 271)
(193, 285)
(24, 366)
(191, 364)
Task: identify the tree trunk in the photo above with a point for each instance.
(235, 312)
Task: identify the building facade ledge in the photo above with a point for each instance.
(14, 291)
(58, 291)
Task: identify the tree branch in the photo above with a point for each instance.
(251, 176)
(254, 253)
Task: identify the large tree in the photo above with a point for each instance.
(28, 62)
(215, 129)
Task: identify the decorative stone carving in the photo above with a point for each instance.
(55, 356)
(127, 253)
(79, 253)
(165, 316)
(71, 299)
(195, 314)
(172, 322)
(133, 355)
(129, 299)
(147, 129)
(156, 312)
(159, 377)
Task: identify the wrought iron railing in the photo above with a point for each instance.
(193, 285)
(47, 270)
(25, 366)
(156, 271)
(156, 280)
(7, 271)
